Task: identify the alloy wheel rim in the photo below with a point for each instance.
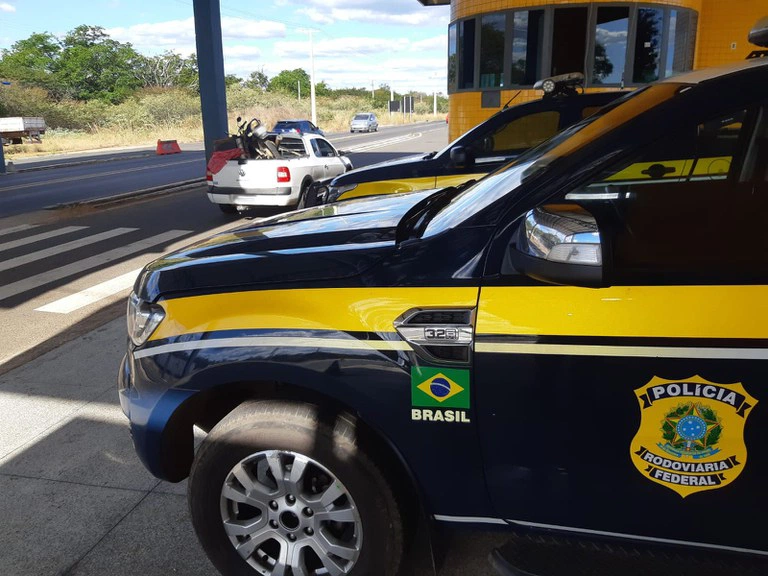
(287, 515)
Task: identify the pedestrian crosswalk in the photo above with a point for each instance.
(34, 259)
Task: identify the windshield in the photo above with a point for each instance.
(508, 178)
(361, 117)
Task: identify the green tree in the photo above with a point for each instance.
(189, 75)
(258, 80)
(160, 71)
(288, 81)
(93, 66)
(232, 80)
(31, 61)
(603, 65)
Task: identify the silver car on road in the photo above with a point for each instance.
(364, 122)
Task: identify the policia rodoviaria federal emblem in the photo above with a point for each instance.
(691, 435)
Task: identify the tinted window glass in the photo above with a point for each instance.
(467, 64)
(680, 46)
(610, 45)
(648, 45)
(522, 133)
(452, 60)
(324, 148)
(570, 40)
(492, 50)
(678, 213)
(527, 46)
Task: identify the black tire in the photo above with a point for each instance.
(302, 203)
(228, 209)
(286, 432)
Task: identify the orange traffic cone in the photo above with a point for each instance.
(168, 147)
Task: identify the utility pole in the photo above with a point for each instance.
(299, 83)
(312, 78)
(434, 103)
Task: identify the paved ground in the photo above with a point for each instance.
(74, 499)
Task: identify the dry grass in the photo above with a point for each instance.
(175, 115)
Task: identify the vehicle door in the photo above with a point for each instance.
(502, 141)
(332, 164)
(637, 406)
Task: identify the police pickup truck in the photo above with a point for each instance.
(486, 147)
(575, 345)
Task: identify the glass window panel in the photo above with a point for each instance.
(610, 45)
(648, 45)
(682, 32)
(452, 60)
(527, 46)
(519, 134)
(467, 47)
(569, 46)
(492, 50)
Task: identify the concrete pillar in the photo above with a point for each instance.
(210, 62)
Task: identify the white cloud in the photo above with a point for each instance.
(399, 12)
(609, 37)
(179, 35)
(5, 7)
(344, 49)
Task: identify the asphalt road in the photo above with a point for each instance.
(45, 183)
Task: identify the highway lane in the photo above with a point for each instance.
(82, 177)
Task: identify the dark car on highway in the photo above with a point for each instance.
(297, 127)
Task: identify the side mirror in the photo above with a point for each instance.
(560, 245)
(462, 157)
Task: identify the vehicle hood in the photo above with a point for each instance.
(387, 170)
(313, 245)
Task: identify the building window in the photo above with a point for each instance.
(681, 43)
(569, 45)
(527, 46)
(648, 45)
(610, 56)
(492, 50)
(452, 60)
(610, 44)
(467, 54)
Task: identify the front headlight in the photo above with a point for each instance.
(335, 191)
(142, 318)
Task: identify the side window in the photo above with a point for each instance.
(324, 148)
(589, 110)
(315, 147)
(519, 135)
(685, 209)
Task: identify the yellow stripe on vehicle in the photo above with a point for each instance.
(389, 187)
(638, 171)
(343, 309)
(625, 311)
(456, 179)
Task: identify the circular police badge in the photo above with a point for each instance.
(691, 435)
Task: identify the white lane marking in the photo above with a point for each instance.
(107, 257)
(39, 237)
(61, 248)
(18, 228)
(274, 342)
(90, 295)
(99, 175)
(388, 142)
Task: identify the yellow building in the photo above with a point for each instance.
(497, 49)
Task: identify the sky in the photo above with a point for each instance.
(357, 43)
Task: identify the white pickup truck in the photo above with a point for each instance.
(302, 159)
(13, 130)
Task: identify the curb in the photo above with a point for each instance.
(136, 194)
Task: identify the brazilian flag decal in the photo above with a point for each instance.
(440, 387)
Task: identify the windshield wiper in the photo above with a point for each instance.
(414, 222)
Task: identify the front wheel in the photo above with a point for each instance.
(273, 488)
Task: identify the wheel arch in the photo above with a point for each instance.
(209, 407)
